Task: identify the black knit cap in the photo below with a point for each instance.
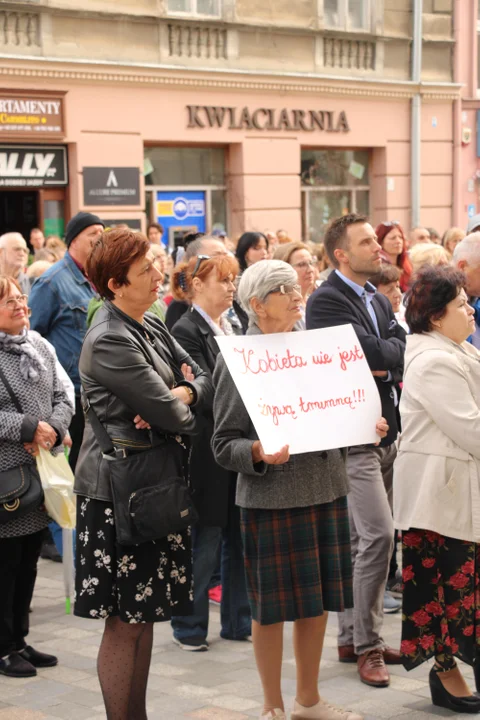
(79, 222)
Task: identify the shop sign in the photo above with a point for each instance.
(111, 186)
(31, 114)
(33, 165)
(232, 118)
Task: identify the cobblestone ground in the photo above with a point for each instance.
(219, 685)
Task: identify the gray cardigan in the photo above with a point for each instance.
(306, 479)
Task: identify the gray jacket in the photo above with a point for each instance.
(128, 369)
(306, 479)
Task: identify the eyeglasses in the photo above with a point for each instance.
(12, 303)
(286, 290)
(305, 264)
(200, 259)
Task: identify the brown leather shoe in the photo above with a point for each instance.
(372, 669)
(391, 656)
(346, 654)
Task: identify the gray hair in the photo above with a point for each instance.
(260, 279)
(468, 249)
(195, 248)
(6, 237)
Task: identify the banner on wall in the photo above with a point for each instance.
(311, 390)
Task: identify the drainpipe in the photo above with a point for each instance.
(458, 218)
(415, 142)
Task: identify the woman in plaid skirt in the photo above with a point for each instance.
(293, 513)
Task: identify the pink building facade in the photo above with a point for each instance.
(252, 149)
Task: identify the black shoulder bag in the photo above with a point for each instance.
(151, 498)
(21, 489)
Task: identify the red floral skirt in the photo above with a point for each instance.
(441, 599)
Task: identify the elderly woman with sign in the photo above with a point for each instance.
(293, 513)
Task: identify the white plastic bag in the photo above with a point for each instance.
(57, 482)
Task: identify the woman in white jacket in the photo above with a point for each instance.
(437, 487)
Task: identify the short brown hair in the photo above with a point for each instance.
(386, 275)
(5, 284)
(182, 280)
(433, 287)
(336, 234)
(285, 252)
(112, 256)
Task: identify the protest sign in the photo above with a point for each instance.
(311, 390)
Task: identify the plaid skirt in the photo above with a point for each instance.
(298, 561)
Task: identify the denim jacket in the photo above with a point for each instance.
(59, 301)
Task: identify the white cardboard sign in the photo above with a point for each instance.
(311, 390)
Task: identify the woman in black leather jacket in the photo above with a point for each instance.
(141, 385)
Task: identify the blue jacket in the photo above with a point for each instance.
(59, 301)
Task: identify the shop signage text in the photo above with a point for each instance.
(111, 186)
(232, 118)
(31, 114)
(33, 165)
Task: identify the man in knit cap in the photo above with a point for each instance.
(59, 301)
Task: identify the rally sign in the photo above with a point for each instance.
(311, 390)
(33, 165)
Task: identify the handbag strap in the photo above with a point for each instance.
(103, 438)
(10, 392)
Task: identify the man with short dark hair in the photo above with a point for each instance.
(155, 233)
(37, 240)
(59, 301)
(346, 297)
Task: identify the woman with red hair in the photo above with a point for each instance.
(391, 237)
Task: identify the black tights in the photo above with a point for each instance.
(123, 665)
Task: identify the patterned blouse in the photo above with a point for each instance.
(46, 400)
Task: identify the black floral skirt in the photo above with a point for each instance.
(140, 583)
(441, 599)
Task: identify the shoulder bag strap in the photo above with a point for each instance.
(103, 438)
(10, 392)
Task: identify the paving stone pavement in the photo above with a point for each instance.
(221, 684)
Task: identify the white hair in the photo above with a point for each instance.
(260, 279)
(6, 237)
(468, 249)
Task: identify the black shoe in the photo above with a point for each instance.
(38, 659)
(50, 552)
(442, 698)
(193, 644)
(15, 665)
(476, 674)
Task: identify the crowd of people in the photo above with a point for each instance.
(107, 347)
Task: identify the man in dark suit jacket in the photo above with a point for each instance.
(347, 297)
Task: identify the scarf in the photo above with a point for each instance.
(31, 364)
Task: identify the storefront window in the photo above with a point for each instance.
(334, 183)
(347, 14)
(176, 166)
(194, 7)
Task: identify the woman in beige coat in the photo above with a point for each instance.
(436, 487)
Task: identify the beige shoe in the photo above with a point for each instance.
(276, 714)
(322, 711)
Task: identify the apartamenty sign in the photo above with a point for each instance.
(111, 186)
(266, 119)
(33, 165)
(31, 114)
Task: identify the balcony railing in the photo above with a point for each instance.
(348, 54)
(197, 41)
(19, 29)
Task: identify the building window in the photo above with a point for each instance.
(334, 183)
(206, 8)
(347, 14)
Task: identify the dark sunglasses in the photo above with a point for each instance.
(200, 259)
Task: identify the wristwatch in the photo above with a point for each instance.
(191, 393)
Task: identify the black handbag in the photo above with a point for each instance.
(151, 497)
(21, 489)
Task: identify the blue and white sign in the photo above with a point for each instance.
(181, 209)
(471, 211)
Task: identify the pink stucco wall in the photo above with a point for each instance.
(109, 124)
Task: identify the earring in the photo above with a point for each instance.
(120, 294)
